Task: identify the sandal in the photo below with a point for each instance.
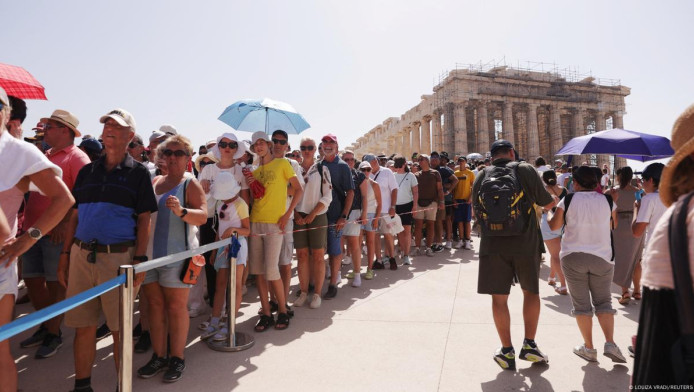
(264, 322)
(274, 307)
(561, 290)
(625, 299)
(282, 321)
(551, 281)
(636, 295)
(205, 324)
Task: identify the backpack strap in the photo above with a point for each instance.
(682, 351)
(320, 171)
(185, 225)
(610, 201)
(567, 203)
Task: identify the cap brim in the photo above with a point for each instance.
(46, 119)
(117, 119)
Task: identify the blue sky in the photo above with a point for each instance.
(346, 66)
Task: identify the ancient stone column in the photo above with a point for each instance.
(460, 126)
(600, 125)
(579, 127)
(482, 128)
(449, 131)
(533, 133)
(507, 123)
(618, 120)
(416, 141)
(406, 144)
(426, 133)
(437, 132)
(398, 143)
(555, 138)
(390, 146)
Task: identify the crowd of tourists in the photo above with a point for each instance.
(74, 214)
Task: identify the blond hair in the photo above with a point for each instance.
(179, 139)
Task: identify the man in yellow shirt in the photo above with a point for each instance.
(463, 200)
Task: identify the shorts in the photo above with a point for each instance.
(41, 260)
(287, 251)
(497, 272)
(223, 261)
(352, 228)
(8, 280)
(313, 235)
(168, 276)
(264, 250)
(547, 233)
(462, 212)
(83, 276)
(449, 207)
(405, 212)
(428, 212)
(589, 279)
(334, 241)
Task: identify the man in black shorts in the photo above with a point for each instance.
(505, 259)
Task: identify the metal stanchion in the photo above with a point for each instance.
(235, 341)
(125, 372)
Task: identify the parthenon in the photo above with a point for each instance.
(474, 105)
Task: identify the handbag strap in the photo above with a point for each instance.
(679, 258)
(185, 225)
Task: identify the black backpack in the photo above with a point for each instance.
(501, 208)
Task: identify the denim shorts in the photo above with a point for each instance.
(354, 229)
(547, 233)
(223, 261)
(334, 241)
(41, 260)
(167, 276)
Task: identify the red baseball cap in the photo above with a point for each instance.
(329, 136)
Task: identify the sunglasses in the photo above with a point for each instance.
(306, 148)
(177, 153)
(51, 126)
(133, 145)
(348, 159)
(232, 145)
(224, 208)
(205, 163)
(279, 141)
(365, 170)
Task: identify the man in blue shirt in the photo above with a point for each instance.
(343, 194)
(114, 199)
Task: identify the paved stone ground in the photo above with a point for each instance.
(420, 328)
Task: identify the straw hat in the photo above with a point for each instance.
(66, 118)
(225, 186)
(682, 141)
(199, 159)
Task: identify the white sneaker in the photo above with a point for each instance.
(339, 276)
(429, 252)
(468, 245)
(406, 260)
(414, 252)
(363, 250)
(357, 280)
(458, 244)
(589, 354)
(612, 351)
(385, 260)
(347, 260)
(301, 300)
(315, 302)
(448, 245)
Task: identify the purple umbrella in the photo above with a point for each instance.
(621, 142)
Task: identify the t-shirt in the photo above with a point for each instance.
(406, 182)
(210, 172)
(316, 191)
(562, 178)
(274, 176)
(428, 186)
(605, 180)
(542, 169)
(386, 181)
(341, 177)
(19, 159)
(651, 210)
(657, 270)
(70, 159)
(530, 242)
(587, 225)
(297, 170)
(463, 189)
(235, 211)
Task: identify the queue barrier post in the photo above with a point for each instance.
(125, 371)
(235, 341)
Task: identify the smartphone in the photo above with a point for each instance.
(639, 194)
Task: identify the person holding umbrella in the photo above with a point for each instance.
(269, 218)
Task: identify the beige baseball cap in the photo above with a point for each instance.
(121, 116)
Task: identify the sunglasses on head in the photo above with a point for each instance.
(177, 153)
(232, 145)
(306, 148)
(134, 144)
(279, 141)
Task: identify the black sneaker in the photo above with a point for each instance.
(137, 331)
(436, 248)
(154, 366)
(50, 346)
(144, 343)
(175, 370)
(331, 293)
(102, 332)
(506, 361)
(531, 353)
(378, 265)
(36, 339)
(393, 264)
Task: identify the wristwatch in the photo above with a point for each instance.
(343, 216)
(141, 259)
(184, 212)
(35, 233)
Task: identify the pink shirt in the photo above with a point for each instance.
(70, 159)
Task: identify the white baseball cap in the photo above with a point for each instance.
(121, 116)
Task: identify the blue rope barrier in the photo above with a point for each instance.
(22, 324)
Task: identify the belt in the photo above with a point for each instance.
(121, 247)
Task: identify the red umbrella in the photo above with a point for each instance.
(18, 82)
